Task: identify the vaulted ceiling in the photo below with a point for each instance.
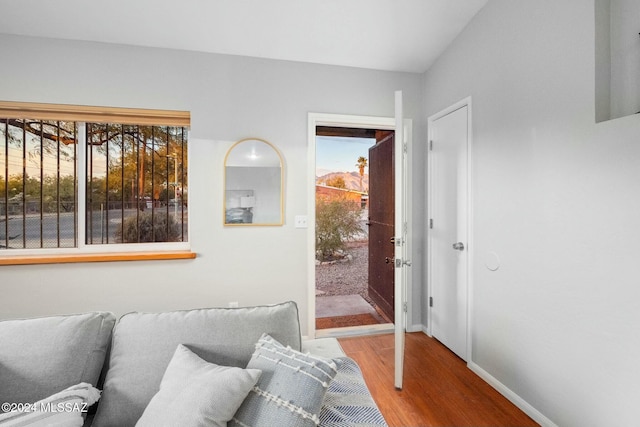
(395, 35)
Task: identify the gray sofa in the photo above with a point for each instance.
(128, 358)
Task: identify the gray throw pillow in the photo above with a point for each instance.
(290, 390)
(196, 393)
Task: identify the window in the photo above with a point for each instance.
(135, 178)
(92, 184)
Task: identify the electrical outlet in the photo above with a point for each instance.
(301, 221)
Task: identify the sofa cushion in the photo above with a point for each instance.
(144, 343)
(328, 348)
(41, 356)
(196, 393)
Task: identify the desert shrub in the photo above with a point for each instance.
(140, 229)
(337, 221)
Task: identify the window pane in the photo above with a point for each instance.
(136, 184)
(37, 184)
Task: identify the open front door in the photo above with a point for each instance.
(381, 223)
(400, 240)
(397, 251)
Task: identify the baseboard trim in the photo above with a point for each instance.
(415, 328)
(536, 415)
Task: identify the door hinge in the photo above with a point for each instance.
(431, 223)
(404, 147)
(430, 301)
(431, 145)
(405, 307)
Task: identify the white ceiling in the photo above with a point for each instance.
(396, 35)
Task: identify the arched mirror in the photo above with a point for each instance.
(253, 177)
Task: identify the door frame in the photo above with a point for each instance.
(347, 121)
(466, 102)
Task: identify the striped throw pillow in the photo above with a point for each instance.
(290, 390)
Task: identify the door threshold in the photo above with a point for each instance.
(352, 331)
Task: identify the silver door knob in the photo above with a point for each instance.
(458, 246)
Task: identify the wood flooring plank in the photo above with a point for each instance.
(438, 388)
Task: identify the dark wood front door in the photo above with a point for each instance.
(381, 224)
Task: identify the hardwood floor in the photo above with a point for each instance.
(438, 388)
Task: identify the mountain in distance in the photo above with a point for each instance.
(351, 179)
(321, 172)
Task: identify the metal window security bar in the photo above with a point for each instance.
(133, 195)
(38, 195)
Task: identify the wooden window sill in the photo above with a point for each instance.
(104, 257)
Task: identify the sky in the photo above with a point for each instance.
(333, 154)
(340, 154)
(32, 164)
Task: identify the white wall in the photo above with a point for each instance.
(557, 197)
(230, 98)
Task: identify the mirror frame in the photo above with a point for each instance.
(225, 191)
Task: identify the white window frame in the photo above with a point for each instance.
(83, 247)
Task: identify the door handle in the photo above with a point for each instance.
(458, 246)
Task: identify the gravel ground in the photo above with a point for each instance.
(345, 278)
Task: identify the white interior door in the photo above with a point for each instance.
(400, 230)
(448, 227)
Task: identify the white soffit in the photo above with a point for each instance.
(393, 35)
